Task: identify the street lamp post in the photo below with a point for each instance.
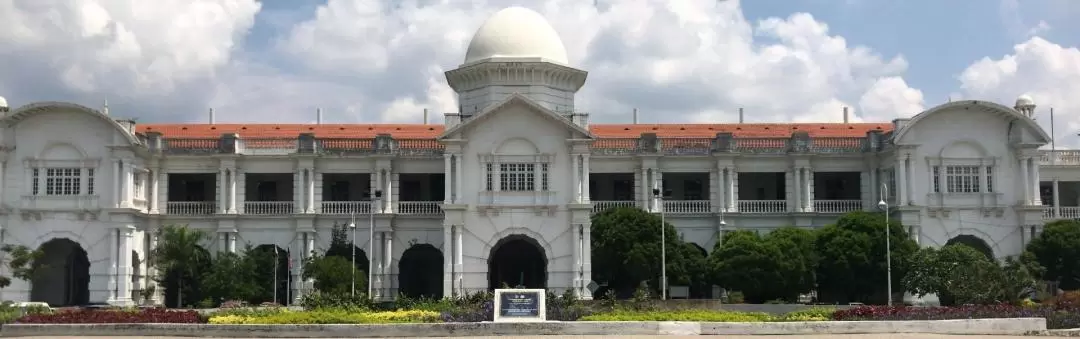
(884, 206)
(352, 227)
(663, 246)
(376, 197)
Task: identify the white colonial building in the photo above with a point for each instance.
(503, 191)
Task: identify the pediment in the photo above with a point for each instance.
(515, 103)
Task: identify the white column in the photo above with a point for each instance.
(301, 179)
(116, 184)
(448, 260)
(537, 176)
(901, 182)
(808, 189)
(586, 195)
(1025, 181)
(458, 177)
(449, 179)
(642, 186)
(1057, 200)
(576, 173)
(230, 244)
(232, 178)
(1035, 182)
(114, 266)
(797, 204)
(222, 189)
(586, 256)
(152, 177)
(496, 178)
(388, 264)
(908, 191)
(388, 191)
(579, 264)
(459, 258)
(375, 253)
(311, 190)
(124, 246)
(718, 189)
(731, 179)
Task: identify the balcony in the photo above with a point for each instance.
(687, 206)
(1070, 212)
(762, 206)
(269, 207)
(600, 206)
(837, 206)
(419, 208)
(345, 207)
(190, 207)
(1060, 158)
(725, 142)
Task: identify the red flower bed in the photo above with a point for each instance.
(1056, 317)
(88, 316)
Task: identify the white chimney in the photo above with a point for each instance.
(425, 116)
(741, 115)
(635, 116)
(318, 116)
(211, 116)
(845, 115)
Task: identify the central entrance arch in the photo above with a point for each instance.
(421, 272)
(517, 261)
(973, 242)
(62, 274)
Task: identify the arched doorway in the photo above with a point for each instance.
(973, 242)
(696, 258)
(273, 264)
(421, 272)
(517, 261)
(61, 275)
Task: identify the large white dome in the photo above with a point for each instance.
(516, 32)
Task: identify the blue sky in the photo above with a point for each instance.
(676, 61)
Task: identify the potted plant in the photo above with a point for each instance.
(147, 294)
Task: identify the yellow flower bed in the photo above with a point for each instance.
(682, 315)
(329, 317)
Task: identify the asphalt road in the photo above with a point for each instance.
(854, 336)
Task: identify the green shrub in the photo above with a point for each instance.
(809, 314)
(327, 316)
(318, 300)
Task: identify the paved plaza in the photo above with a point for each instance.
(834, 336)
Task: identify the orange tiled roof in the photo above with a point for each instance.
(421, 131)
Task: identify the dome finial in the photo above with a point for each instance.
(1025, 105)
(3, 105)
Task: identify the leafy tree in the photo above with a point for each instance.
(745, 262)
(233, 276)
(1019, 278)
(180, 259)
(22, 261)
(334, 274)
(341, 245)
(626, 250)
(957, 273)
(1057, 250)
(797, 261)
(851, 262)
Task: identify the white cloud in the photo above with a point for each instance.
(383, 60)
(138, 47)
(1049, 72)
(691, 60)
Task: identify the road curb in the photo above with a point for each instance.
(1011, 326)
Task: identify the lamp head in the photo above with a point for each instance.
(882, 205)
(352, 225)
(376, 194)
(656, 192)
(723, 223)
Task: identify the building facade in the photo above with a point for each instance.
(501, 192)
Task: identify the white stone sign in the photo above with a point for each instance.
(520, 305)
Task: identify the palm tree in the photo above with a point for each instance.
(178, 252)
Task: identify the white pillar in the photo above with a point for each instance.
(222, 189)
(731, 180)
(388, 264)
(586, 256)
(1035, 182)
(375, 253)
(448, 179)
(576, 173)
(585, 194)
(579, 264)
(388, 191)
(797, 204)
(538, 176)
(448, 260)
(1025, 181)
(301, 180)
(1057, 200)
(232, 176)
(643, 185)
(901, 182)
(718, 189)
(808, 189)
(311, 190)
(152, 177)
(230, 244)
(116, 184)
(459, 258)
(114, 266)
(457, 177)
